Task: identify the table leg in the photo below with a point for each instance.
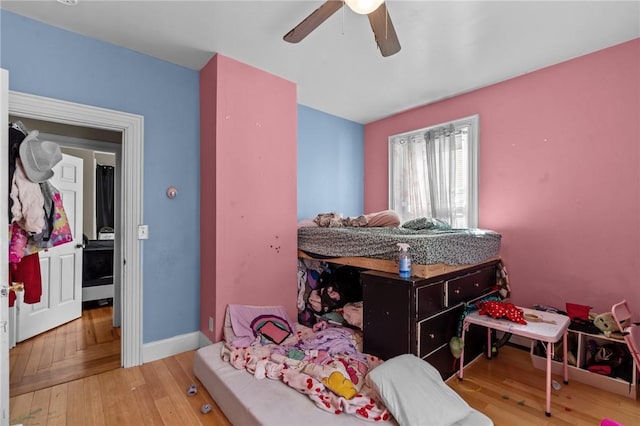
(465, 325)
(489, 351)
(549, 350)
(566, 362)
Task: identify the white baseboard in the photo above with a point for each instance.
(169, 347)
(204, 340)
(174, 345)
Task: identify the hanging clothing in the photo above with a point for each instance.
(21, 244)
(104, 197)
(28, 273)
(61, 231)
(28, 202)
(17, 133)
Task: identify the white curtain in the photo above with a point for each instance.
(425, 171)
(441, 168)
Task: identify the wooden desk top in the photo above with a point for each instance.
(543, 331)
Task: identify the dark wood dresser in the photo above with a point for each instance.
(420, 315)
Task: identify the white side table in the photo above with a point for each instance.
(550, 331)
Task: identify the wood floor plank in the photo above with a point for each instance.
(71, 340)
(75, 403)
(151, 378)
(128, 411)
(108, 390)
(57, 414)
(168, 413)
(59, 345)
(181, 406)
(34, 357)
(86, 335)
(46, 359)
(18, 364)
(215, 417)
(39, 407)
(94, 404)
(20, 408)
(146, 404)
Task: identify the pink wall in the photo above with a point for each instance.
(559, 175)
(248, 189)
(208, 99)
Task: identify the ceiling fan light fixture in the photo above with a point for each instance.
(363, 7)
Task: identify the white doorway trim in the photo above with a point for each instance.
(131, 205)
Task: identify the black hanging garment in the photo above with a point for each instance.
(17, 133)
(104, 197)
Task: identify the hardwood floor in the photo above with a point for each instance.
(507, 389)
(151, 394)
(511, 391)
(80, 348)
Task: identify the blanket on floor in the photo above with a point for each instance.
(325, 365)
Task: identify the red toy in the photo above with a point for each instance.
(501, 309)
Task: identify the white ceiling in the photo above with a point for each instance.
(448, 47)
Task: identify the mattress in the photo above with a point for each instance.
(248, 401)
(451, 247)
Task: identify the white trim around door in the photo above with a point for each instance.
(131, 205)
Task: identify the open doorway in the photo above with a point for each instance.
(128, 264)
(91, 343)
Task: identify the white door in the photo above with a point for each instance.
(61, 266)
(4, 248)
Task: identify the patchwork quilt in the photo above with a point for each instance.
(324, 363)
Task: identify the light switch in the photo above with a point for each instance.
(143, 232)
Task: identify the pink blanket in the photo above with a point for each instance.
(326, 366)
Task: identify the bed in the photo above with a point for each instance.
(435, 248)
(265, 382)
(414, 391)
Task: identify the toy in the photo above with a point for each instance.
(502, 309)
(606, 323)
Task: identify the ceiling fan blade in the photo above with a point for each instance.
(312, 21)
(383, 31)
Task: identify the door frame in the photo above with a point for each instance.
(4, 250)
(128, 260)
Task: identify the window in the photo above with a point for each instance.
(433, 172)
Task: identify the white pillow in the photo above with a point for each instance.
(415, 394)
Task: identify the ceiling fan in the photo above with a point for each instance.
(383, 31)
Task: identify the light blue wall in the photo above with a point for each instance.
(48, 61)
(330, 164)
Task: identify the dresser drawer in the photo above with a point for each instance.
(436, 331)
(442, 360)
(470, 286)
(429, 299)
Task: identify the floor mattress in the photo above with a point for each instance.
(248, 401)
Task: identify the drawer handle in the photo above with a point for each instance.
(456, 291)
(476, 285)
(432, 336)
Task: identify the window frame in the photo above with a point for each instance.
(473, 124)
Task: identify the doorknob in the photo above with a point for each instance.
(4, 290)
(16, 287)
(80, 246)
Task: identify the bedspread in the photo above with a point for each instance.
(326, 366)
(427, 246)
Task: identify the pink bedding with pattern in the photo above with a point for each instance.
(326, 365)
